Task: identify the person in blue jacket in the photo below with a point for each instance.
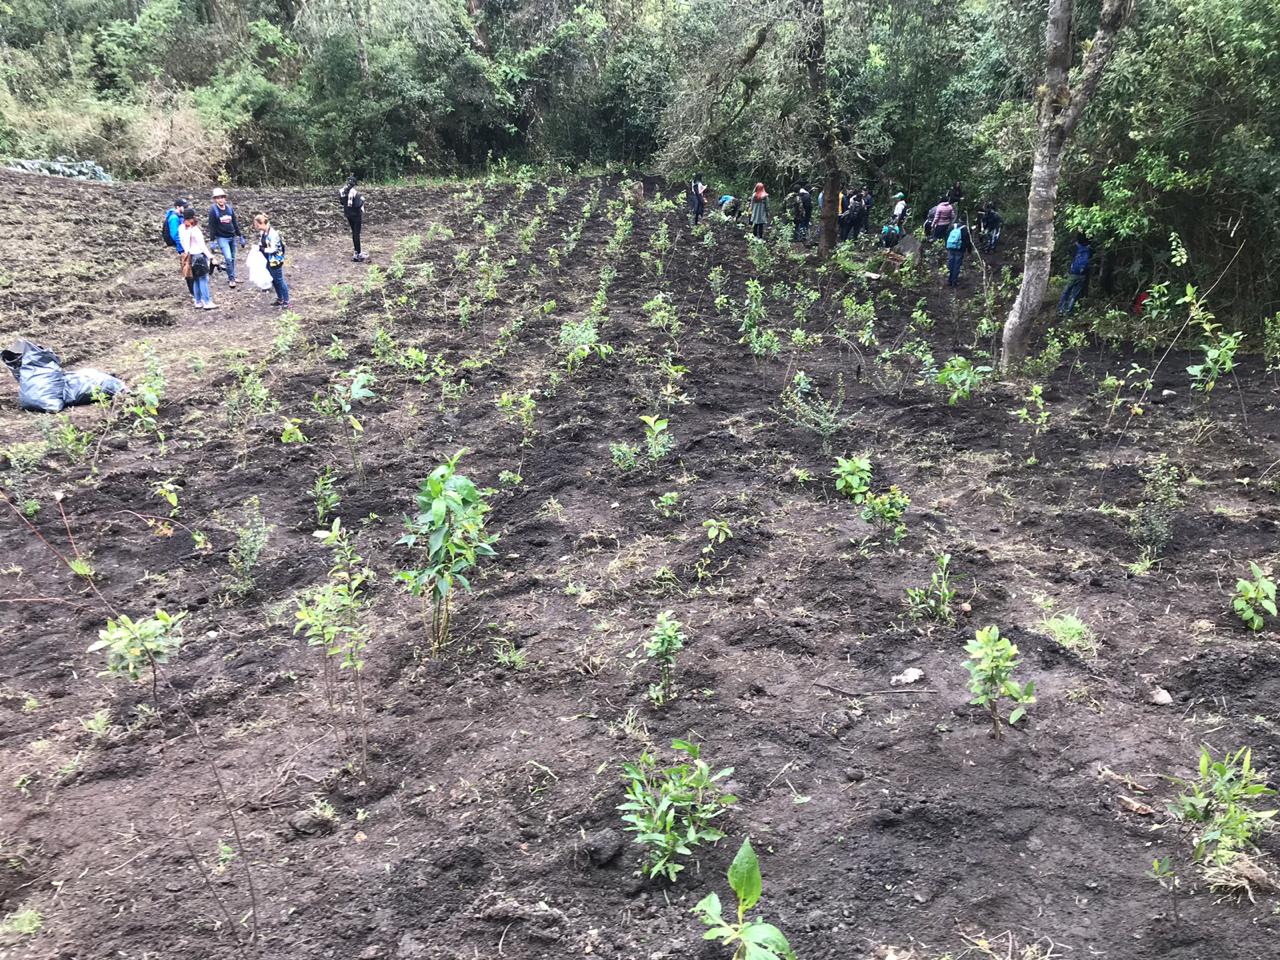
(1079, 275)
(224, 229)
(173, 218)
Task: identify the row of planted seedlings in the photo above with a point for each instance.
(1219, 809)
(450, 519)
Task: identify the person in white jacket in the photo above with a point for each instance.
(196, 259)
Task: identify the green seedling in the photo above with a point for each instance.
(934, 601)
(324, 495)
(132, 646)
(658, 441)
(853, 477)
(666, 641)
(993, 659)
(750, 939)
(1072, 633)
(960, 378)
(670, 809)
(885, 511)
(1221, 803)
(1255, 598)
(448, 531)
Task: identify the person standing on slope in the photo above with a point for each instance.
(353, 206)
(759, 210)
(224, 230)
(899, 209)
(697, 198)
(272, 246)
(196, 259)
(173, 220)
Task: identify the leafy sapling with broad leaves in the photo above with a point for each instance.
(991, 676)
(1254, 598)
(750, 939)
(853, 477)
(448, 530)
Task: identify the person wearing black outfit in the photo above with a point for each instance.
(353, 205)
(990, 221)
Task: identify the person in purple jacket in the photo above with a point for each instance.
(224, 230)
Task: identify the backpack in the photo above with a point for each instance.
(955, 239)
(199, 266)
(165, 235)
(276, 258)
(1080, 262)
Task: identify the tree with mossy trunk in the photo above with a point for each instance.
(1061, 105)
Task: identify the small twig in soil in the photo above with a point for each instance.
(872, 693)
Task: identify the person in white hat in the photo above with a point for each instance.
(224, 230)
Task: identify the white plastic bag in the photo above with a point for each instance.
(259, 276)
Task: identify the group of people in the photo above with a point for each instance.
(181, 230)
(944, 221)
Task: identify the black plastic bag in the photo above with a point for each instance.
(44, 387)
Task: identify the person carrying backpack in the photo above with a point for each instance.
(224, 230)
(353, 206)
(899, 208)
(697, 198)
(890, 234)
(806, 212)
(1079, 275)
(990, 222)
(759, 210)
(169, 227)
(957, 240)
(851, 216)
(272, 246)
(197, 259)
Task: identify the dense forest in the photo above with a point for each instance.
(1181, 136)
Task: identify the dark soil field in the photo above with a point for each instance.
(888, 819)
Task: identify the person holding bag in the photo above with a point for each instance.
(271, 246)
(196, 259)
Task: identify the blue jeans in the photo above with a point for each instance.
(954, 259)
(277, 283)
(1075, 286)
(228, 247)
(200, 289)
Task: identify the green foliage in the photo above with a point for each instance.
(751, 939)
(805, 407)
(1222, 804)
(991, 664)
(853, 477)
(664, 643)
(961, 378)
(657, 439)
(625, 456)
(325, 495)
(449, 534)
(671, 809)
(1151, 526)
(885, 511)
(252, 534)
(1071, 633)
(132, 646)
(934, 601)
(1219, 360)
(1255, 598)
(24, 923)
(147, 392)
(65, 437)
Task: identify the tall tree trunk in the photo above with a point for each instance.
(815, 65)
(360, 23)
(1060, 112)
